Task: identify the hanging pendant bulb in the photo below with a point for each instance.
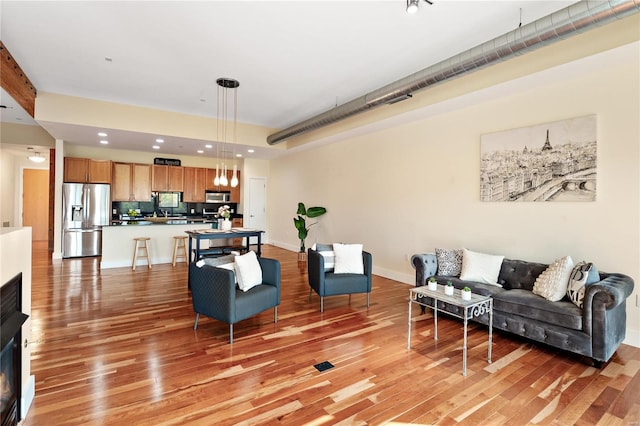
(223, 177)
(216, 180)
(234, 179)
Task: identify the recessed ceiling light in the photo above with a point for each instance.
(208, 146)
(102, 134)
(200, 151)
(103, 142)
(156, 147)
(251, 151)
(160, 140)
(238, 155)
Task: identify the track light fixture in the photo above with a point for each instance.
(412, 5)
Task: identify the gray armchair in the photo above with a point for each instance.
(330, 284)
(215, 294)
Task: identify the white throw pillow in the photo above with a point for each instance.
(348, 259)
(552, 283)
(248, 271)
(480, 267)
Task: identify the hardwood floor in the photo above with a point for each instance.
(118, 347)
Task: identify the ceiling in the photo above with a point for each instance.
(294, 59)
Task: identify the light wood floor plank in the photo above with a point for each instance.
(117, 347)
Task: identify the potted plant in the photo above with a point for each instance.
(224, 213)
(466, 293)
(432, 283)
(448, 289)
(302, 227)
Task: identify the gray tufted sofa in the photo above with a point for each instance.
(594, 331)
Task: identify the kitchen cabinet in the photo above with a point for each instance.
(234, 192)
(167, 178)
(86, 170)
(131, 182)
(194, 184)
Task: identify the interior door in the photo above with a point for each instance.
(257, 217)
(35, 202)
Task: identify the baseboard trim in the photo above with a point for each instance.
(28, 394)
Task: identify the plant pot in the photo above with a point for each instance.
(448, 290)
(433, 286)
(226, 225)
(466, 295)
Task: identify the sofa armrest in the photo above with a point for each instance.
(270, 271)
(213, 291)
(426, 265)
(604, 313)
(315, 270)
(608, 293)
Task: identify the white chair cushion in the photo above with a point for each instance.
(348, 259)
(248, 271)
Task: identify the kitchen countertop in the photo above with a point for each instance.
(180, 220)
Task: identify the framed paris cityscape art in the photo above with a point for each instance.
(546, 162)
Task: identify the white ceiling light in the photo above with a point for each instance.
(160, 140)
(104, 142)
(36, 158)
(223, 134)
(102, 134)
(412, 5)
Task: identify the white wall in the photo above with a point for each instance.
(7, 188)
(415, 186)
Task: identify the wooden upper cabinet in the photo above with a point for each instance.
(100, 171)
(211, 175)
(131, 182)
(141, 182)
(76, 169)
(194, 184)
(85, 170)
(167, 178)
(121, 188)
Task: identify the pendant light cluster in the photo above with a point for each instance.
(226, 103)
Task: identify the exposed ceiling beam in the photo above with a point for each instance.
(15, 82)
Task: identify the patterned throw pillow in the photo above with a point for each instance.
(449, 262)
(582, 275)
(552, 283)
(326, 251)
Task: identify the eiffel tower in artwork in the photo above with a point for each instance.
(547, 144)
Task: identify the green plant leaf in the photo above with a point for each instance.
(301, 209)
(315, 211)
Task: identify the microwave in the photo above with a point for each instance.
(218, 197)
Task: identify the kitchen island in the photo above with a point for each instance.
(118, 244)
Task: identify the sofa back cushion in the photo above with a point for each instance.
(519, 274)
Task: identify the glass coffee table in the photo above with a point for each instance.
(478, 305)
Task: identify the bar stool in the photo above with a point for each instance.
(179, 249)
(142, 245)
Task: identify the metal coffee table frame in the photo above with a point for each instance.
(478, 305)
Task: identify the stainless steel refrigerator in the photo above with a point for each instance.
(85, 209)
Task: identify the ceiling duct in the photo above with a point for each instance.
(571, 20)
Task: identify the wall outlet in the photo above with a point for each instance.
(193, 211)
